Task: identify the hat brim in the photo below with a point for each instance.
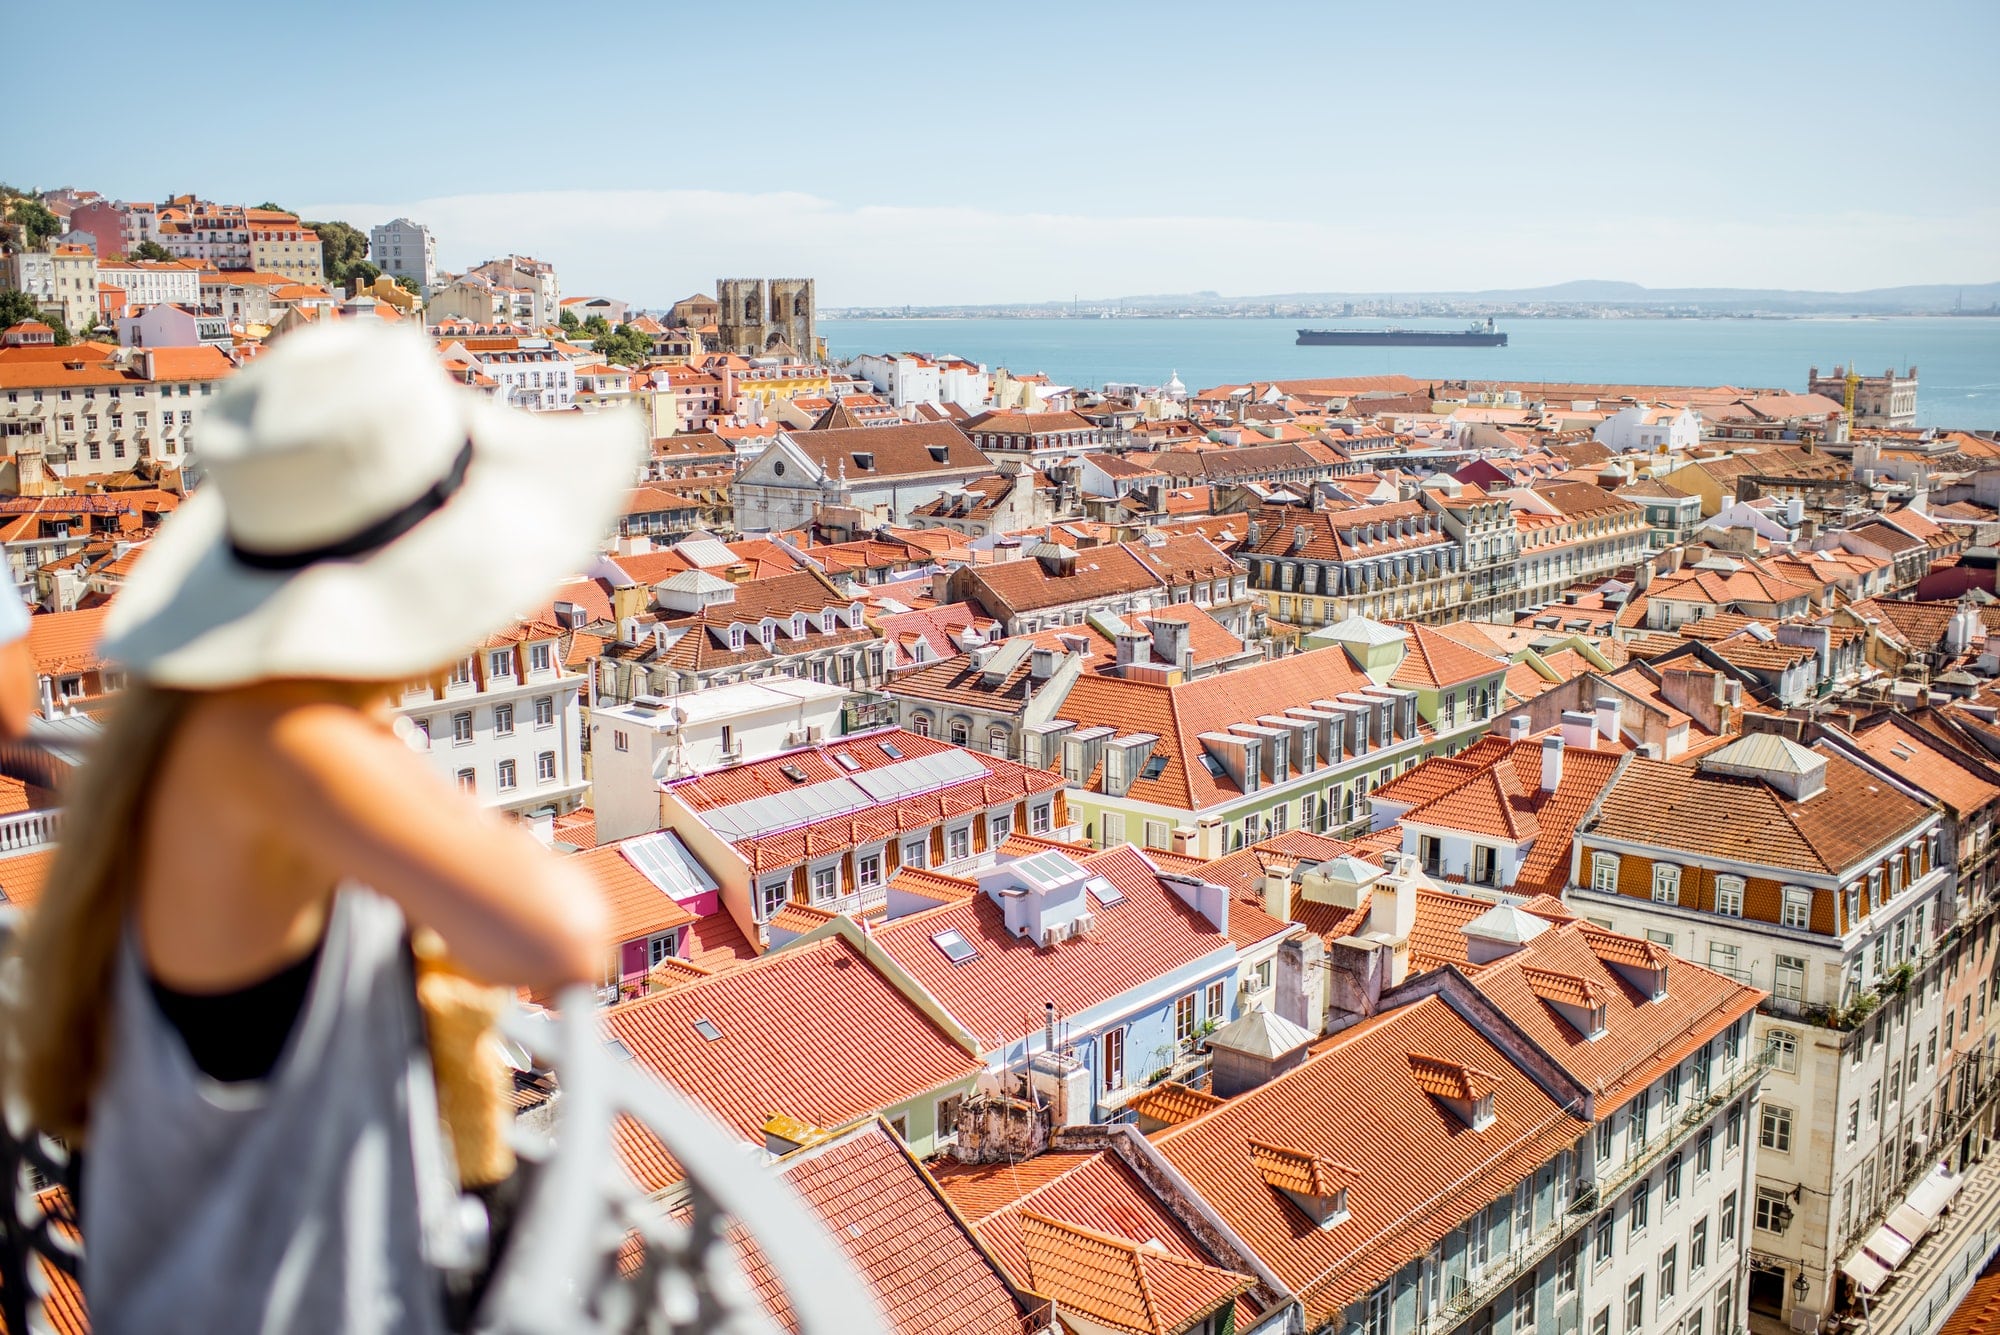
(539, 497)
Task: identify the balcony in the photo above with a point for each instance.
(1468, 1294)
(1679, 1130)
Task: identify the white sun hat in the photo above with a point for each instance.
(363, 519)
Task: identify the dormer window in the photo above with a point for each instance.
(1666, 883)
(1604, 872)
(1316, 1184)
(854, 616)
(798, 625)
(826, 621)
(1465, 1091)
(768, 633)
(736, 637)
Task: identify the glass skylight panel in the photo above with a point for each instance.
(846, 761)
(708, 1029)
(891, 750)
(954, 945)
(1103, 891)
(792, 772)
(1212, 765)
(1155, 767)
(618, 1049)
(662, 859)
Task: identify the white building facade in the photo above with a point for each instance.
(505, 724)
(404, 249)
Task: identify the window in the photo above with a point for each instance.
(1378, 1312)
(506, 774)
(421, 734)
(1601, 1323)
(1038, 819)
(461, 728)
(1670, 1182)
(1659, 938)
(545, 767)
(503, 719)
(1798, 908)
(1215, 1000)
(1635, 1305)
(1184, 1019)
(1666, 884)
(1729, 895)
(1774, 1213)
(619, 741)
(468, 782)
(1604, 1139)
(1604, 872)
(500, 663)
(545, 711)
(1875, 1100)
(461, 672)
(1669, 1267)
(770, 898)
(998, 827)
(1113, 1063)
(1601, 1243)
(1524, 1304)
(1725, 1307)
(1785, 1044)
(868, 870)
(661, 948)
(1704, 1153)
(1725, 1224)
(824, 884)
(958, 843)
(1264, 973)
(996, 741)
(1789, 979)
(1776, 1132)
(1642, 1209)
(913, 853)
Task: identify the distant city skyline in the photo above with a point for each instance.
(955, 156)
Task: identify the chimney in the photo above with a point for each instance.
(1170, 641)
(1552, 762)
(1042, 664)
(1518, 728)
(1610, 713)
(1277, 886)
(1075, 644)
(1579, 730)
(1183, 838)
(1134, 648)
(1048, 1026)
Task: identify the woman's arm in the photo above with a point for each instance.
(354, 799)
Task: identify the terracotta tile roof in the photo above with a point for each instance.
(65, 642)
(1301, 1172)
(1978, 1312)
(814, 1032)
(1178, 715)
(929, 1273)
(902, 450)
(1643, 1036)
(1122, 1285)
(1173, 1103)
(1432, 660)
(1420, 1171)
(1451, 1080)
(1010, 588)
(1344, 535)
(1961, 781)
(998, 993)
(982, 1190)
(638, 907)
(1683, 807)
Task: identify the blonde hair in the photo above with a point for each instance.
(69, 952)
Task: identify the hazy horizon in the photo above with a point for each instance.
(944, 156)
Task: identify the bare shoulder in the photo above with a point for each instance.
(267, 741)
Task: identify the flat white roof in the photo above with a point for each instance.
(718, 703)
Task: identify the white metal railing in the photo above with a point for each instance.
(28, 829)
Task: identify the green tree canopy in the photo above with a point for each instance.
(626, 346)
(33, 217)
(595, 327)
(341, 248)
(18, 306)
(570, 324)
(275, 208)
(409, 285)
(151, 250)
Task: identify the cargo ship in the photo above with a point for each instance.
(1475, 336)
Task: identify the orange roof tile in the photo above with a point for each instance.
(1125, 1286)
(1450, 1079)
(814, 1032)
(1173, 1103)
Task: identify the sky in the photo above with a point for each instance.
(929, 154)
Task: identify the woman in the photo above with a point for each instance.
(219, 1004)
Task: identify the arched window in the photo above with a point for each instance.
(996, 741)
(961, 732)
(921, 725)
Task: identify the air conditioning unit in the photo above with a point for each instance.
(1083, 924)
(1051, 935)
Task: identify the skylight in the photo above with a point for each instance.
(708, 1029)
(846, 761)
(891, 750)
(1103, 891)
(1155, 768)
(618, 1049)
(954, 945)
(1212, 765)
(792, 772)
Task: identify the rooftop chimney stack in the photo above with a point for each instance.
(1552, 763)
(1610, 717)
(1579, 730)
(1518, 728)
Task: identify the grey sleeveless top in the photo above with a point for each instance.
(288, 1204)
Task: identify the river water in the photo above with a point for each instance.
(1957, 358)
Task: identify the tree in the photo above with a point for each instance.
(341, 247)
(409, 285)
(570, 324)
(18, 306)
(596, 327)
(151, 250)
(274, 208)
(33, 217)
(625, 346)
